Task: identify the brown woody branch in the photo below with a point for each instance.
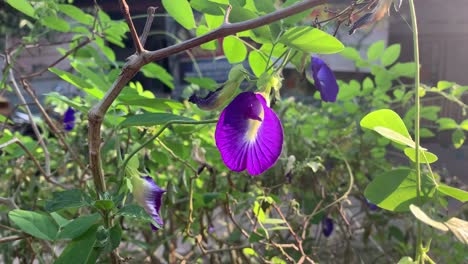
(143, 57)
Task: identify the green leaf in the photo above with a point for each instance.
(458, 138)
(203, 82)
(254, 237)
(310, 39)
(406, 260)
(136, 211)
(375, 50)
(61, 221)
(249, 252)
(77, 14)
(81, 250)
(115, 235)
(234, 49)
(424, 156)
(406, 69)
(239, 14)
(391, 55)
(151, 103)
(277, 260)
(265, 6)
(23, 6)
(257, 62)
(104, 204)
(78, 82)
(67, 199)
(443, 85)
(389, 124)
(78, 226)
(153, 70)
(395, 190)
(456, 193)
(464, 124)
(75, 105)
(152, 119)
(209, 7)
(38, 225)
(446, 123)
(55, 23)
(181, 11)
(394, 136)
(351, 53)
(258, 212)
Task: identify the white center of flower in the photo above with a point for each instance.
(253, 126)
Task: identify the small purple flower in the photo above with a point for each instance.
(249, 135)
(69, 119)
(211, 229)
(327, 226)
(371, 206)
(149, 196)
(324, 79)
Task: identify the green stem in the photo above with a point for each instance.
(419, 258)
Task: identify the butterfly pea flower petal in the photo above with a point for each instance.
(149, 196)
(327, 226)
(324, 79)
(249, 135)
(69, 119)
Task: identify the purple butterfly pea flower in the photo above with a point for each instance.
(249, 135)
(324, 79)
(69, 119)
(327, 226)
(149, 196)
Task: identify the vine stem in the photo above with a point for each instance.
(417, 105)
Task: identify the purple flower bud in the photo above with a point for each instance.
(69, 119)
(149, 196)
(324, 79)
(327, 226)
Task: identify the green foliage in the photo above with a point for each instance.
(395, 190)
(36, 224)
(181, 11)
(23, 6)
(74, 198)
(309, 39)
(328, 157)
(234, 49)
(81, 249)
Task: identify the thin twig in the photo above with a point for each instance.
(147, 28)
(11, 238)
(35, 161)
(68, 53)
(39, 137)
(57, 132)
(126, 12)
(227, 14)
